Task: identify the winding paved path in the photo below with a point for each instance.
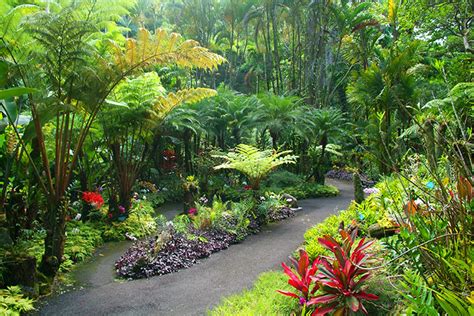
(194, 290)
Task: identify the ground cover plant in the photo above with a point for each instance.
(205, 229)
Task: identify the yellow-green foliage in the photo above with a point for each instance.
(140, 223)
(255, 164)
(81, 241)
(369, 212)
(262, 299)
(328, 227)
(13, 303)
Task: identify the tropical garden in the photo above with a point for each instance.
(255, 157)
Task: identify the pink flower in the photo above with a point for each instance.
(121, 209)
(192, 211)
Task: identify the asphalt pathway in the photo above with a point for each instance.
(192, 291)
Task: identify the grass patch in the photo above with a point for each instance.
(262, 299)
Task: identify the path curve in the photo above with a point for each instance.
(193, 291)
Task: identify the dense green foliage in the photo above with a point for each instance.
(13, 303)
(109, 109)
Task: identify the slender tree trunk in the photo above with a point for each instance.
(187, 151)
(55, 223)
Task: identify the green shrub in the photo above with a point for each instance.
(81, 241)
(381, 285)
(240, 212)
(170, 188)
(283, 179)
(140, 223)
(310, 190)
(330, 227)
(369, 212)
(12, 302)
(262, 299)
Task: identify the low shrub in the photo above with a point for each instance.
(204, 230)
(369, 212)
(170, 188)
(335, 282)
(150, 192)
(81, 241)
(283, 179)
(140, 223)
(13, 303)
(310, 190)
(274, 207)
(237, 220)
(262, 299)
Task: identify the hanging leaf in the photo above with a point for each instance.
(15, 92)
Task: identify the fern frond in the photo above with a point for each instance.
(254, 163)
(163, 48)
(165, 104)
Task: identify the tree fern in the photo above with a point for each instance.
(254, 163)
(164, 48)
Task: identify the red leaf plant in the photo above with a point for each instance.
(301, 280)
(93, 198)
(340, 278)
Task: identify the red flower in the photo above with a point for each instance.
(93, 198)
(248, 187)
(110, 215)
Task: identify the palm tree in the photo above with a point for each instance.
(184, 122)
(228, 117)
(386, 90)
(279, 114)
(329, 126)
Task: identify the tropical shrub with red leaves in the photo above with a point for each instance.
(339, 280)
(341, 277)
(302, 280)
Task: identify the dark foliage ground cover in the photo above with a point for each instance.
(171, 250)
(347, 175)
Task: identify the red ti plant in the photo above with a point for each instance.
(341, 277)
(301, 280)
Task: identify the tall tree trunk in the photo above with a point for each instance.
(55, 223)
(187, 150)
(276, 54)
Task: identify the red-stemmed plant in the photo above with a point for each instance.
(340, 278)
(301, 279)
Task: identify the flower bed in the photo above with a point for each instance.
(203, 231)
